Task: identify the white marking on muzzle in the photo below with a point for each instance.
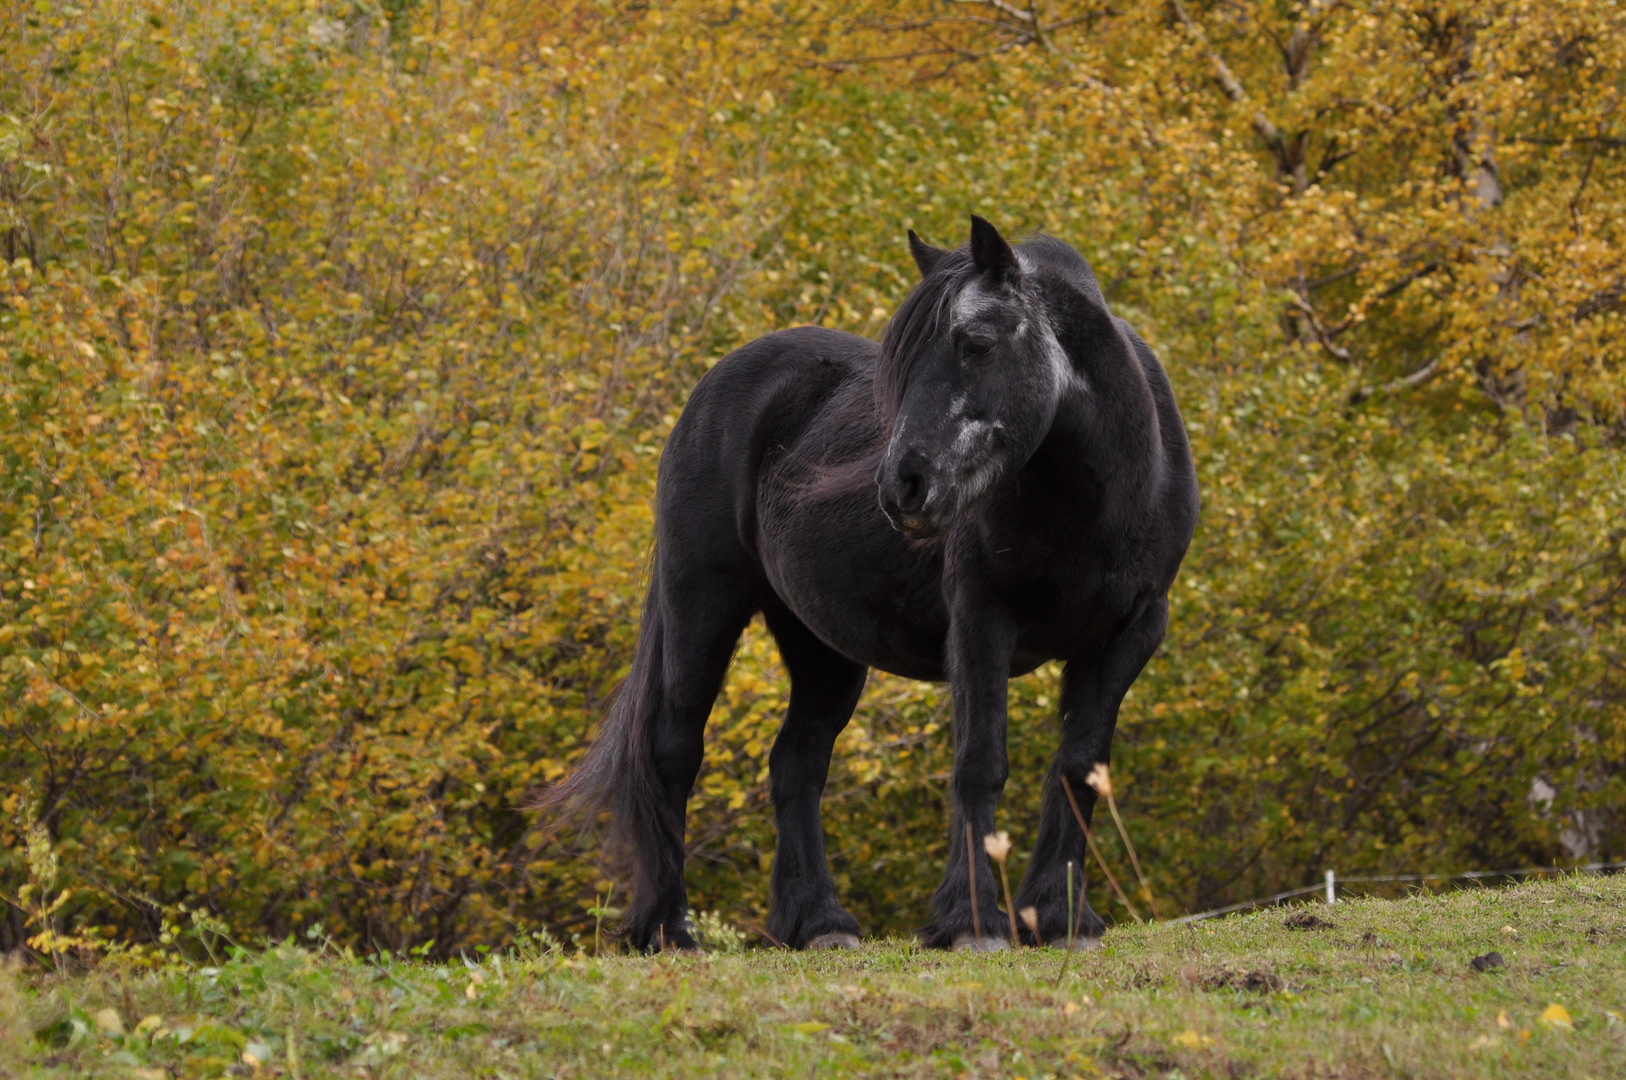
(972, 436)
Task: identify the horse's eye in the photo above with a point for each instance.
(978, 346)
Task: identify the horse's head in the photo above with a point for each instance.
(971, 374)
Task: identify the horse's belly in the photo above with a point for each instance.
(893, 648)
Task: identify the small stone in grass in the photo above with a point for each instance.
(1487, 961)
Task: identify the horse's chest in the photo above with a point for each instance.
(1066, 604)
(1066, 623)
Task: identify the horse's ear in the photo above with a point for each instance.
(925, 255)
(990, 252)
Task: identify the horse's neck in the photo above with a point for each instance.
(1103, 466)
(1106, 428)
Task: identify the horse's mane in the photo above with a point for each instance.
(1062, 258)
(924, 311)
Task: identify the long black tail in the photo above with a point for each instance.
(619, 774)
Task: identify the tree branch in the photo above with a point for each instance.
(1001, 5)
(1599, 302)
(1406, 382)
(1321, 333)
(1289, 153)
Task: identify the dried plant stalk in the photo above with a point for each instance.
(1101, 780)
(1078, 816)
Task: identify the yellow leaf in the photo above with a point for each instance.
(1190, 1039)
(1557, 1016)
(108, 1022)
(809, 1027)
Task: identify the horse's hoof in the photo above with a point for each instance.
(1080, 944)
(838, 939)
(970, 943)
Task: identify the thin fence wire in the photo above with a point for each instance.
(1277, 898)
(1260, 902)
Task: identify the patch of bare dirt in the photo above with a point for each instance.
(1255, 982)
(1305, 919)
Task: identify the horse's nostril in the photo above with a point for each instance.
(911, 491)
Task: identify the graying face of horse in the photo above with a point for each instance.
(984, 376)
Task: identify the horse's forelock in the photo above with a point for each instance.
(923, 315)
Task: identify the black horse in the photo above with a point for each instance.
(1004, 480)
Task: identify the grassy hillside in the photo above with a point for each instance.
(1366, 988)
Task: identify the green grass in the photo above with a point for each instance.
(1384, 990)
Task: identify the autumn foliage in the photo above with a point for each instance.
(338, 343)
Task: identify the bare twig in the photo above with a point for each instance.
(1599, 302)
(1586, 172)
(1071, 925)
(1322, 334)
(775, 942)
(1090, 839)
(1596, 140)
(998, 846)
(1068, 957)
(971, 872)
(1101, 781)
(1407, 382)
(1001, 5)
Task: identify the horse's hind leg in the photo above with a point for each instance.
(824, 690)
(702, 615)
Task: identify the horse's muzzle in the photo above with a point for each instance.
(914, 526)
(908, 497)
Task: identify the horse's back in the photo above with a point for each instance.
(757, 401)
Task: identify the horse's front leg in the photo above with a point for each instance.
(1092, 690)
(980, 644)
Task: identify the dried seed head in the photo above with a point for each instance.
(997, 845)
(1030, 918)
(1100, 780)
